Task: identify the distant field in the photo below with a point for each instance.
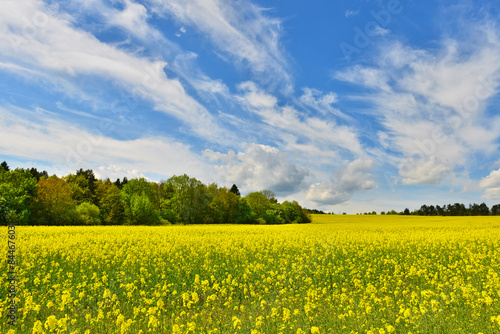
(340, 274)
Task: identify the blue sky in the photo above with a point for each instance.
(345, 106)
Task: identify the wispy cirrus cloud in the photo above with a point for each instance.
(298, 130)
(241, 31)
(64, 53)
(32, 134)
(431, 103)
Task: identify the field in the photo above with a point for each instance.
(340, 274)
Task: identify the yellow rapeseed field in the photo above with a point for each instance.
(340, 274)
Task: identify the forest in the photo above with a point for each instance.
(31, 197)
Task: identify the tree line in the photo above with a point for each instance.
(30, 197)
(457, 209)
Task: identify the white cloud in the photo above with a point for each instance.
(379, 31)
(491, 185)
(240, 30)
(349, 13)
(431, 104)
(260, 167)
(429, 172)
(134, 19)
(492, 193)
(63, 53)
(492, 180)
(30, 135)
(352, 179)
(316, 100)
(114, 172)
(296, 129)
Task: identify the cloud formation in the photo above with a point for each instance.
(354, 178)
(491, 185)
(63, 53)
(431, 104)
(241, 30)
(32, 135)
(259, 167)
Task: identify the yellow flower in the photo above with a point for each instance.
(191, 327)
(390, 329)
(236, 322)
(314, 330)
(106, 294)
(51, 323)
(153, 321)
(38, 327)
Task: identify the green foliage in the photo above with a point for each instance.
(138, 196)
(4, 212)
(244, 214)
(187, 198)
(234, 189)
(258, 202)
(223, 207)
(89, 214)
(80, 189)
(109, 198)
(141, 212)
(54, 204)
(32, 197)
(4, 166)
(18, 190)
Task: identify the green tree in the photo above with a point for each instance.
(187, 198)
(110, 203)
(18, 190)
(141, 212)
(234, 189)
(258, 202)
(245, 214)
(270, 195)
(4, 212)
(80, 188)
(88, 214)
(54, 203)
(224, 207)
(138, 196)
(139, 186)
(38, 175)
(5, 166)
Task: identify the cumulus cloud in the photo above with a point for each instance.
(114, 172)
(429, 172)
(492, 180)
(259, 167)
(355, 177)
(491, 185)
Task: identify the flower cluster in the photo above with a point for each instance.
(339, 275)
